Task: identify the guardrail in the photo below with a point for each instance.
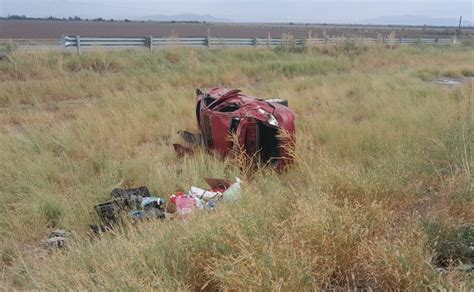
(211, 42)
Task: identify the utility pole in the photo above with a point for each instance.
(458, 31)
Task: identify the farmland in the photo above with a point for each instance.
(380, 195)
(43, 29)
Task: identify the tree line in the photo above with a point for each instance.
(70, 18)
(77, 18)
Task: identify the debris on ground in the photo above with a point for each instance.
(233, 192)
(151, 208)
(182, 150)
(131, 194)
(139, 203)
(191, 138)
(56, 239)
(208, 199)
(263, 128)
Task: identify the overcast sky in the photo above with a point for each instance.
(345, 11)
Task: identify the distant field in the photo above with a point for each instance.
(379, 197)
(20, 29)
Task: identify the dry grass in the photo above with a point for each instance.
(381, 191)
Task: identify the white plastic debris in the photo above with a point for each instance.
(233, 193)
(203, 194)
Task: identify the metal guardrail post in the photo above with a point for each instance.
(208, 38)
(255, 42)
(309, 39)
(150, 43)
(78, 44)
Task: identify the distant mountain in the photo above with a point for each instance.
(415, 20)
(185, 17)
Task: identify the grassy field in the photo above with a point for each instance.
(380, 195)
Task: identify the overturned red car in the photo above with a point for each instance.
(265, 128)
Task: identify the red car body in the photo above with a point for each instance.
(257, 124)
